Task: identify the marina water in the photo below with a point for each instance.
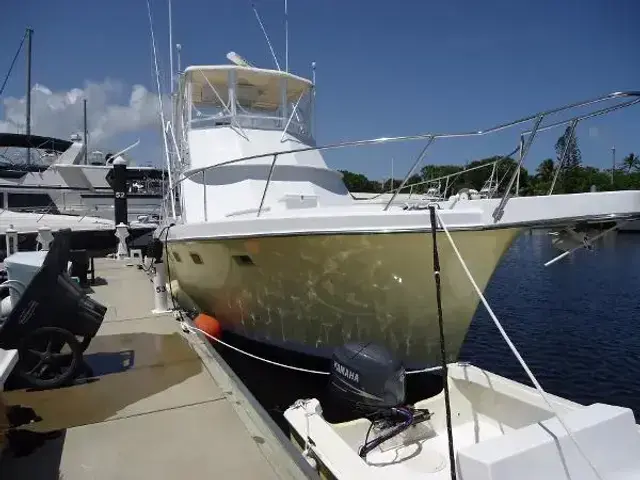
(575, 323)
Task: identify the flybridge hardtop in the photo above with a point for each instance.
(201, 78)
(20, 140)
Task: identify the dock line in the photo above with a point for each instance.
(186, 327)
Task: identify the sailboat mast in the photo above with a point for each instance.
(86, 132)
(28, 114)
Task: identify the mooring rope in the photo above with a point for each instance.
(186, 326)
(513, 348)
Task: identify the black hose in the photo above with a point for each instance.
(368, 446)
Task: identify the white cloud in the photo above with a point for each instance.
(112, 109)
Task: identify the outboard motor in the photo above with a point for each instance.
(367, 377)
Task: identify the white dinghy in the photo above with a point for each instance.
(489, 427)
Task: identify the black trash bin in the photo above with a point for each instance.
(80, 265)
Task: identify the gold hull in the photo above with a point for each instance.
(312, 293)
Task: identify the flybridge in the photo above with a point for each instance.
(245, 98)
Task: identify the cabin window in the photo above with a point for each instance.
(176, 256)
(196, 258)
(210, 105)
(243, 260)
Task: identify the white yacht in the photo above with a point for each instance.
(272, 244)
(69, 194)
(69, 186)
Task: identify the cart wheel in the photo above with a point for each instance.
(48, 357)
(84, 342)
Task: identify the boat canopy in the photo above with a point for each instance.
(20, 140)
(254, 87)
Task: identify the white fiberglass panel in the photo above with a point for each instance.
(239, 187)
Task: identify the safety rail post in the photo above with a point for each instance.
(264, 193)
(572, 129)
(499, 211)
(410, 172)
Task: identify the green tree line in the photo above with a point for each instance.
(573, 177)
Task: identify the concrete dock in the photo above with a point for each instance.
(160, 403)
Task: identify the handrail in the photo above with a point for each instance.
(423, 154)
(499, 211)
(538, 127)
(450, 175)
(572, 129)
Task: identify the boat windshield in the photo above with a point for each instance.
(249, 98)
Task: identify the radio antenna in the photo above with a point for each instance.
(171, 77)
(178, 51)
(273, 54)
(286, 38)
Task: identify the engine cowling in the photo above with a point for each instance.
(367, 376)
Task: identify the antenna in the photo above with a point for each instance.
(86, 132)
(29, 34)
(286, 38)
(273, 54)
(179, 50)
(313, 99)
(238, 60)
(161, 108)
(125, 150)
(170, 50)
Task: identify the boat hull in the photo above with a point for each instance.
(311, 293)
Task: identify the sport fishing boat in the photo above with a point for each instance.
(273, 245)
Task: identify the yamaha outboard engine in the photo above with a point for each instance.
(367, 377)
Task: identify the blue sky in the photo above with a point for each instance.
(383, 68)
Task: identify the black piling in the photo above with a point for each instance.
(120, 191)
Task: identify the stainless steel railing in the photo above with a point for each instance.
(630, 98)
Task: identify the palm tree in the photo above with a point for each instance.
(545, 170)
(631, 162)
